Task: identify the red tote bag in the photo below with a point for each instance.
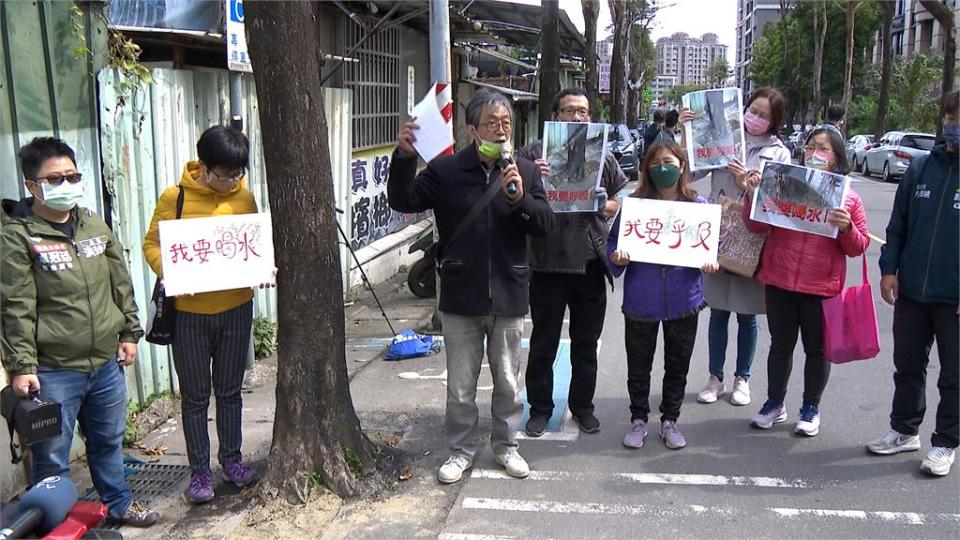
(850, 330)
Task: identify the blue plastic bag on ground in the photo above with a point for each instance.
(409, 344)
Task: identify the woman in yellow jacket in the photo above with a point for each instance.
(212, 326)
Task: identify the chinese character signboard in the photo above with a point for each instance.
(237, 57)
(668, 232)
(575, 153)
(715, 135)
(798, 198)
(371, 217)
(216, 253)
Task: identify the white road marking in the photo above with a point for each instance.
(912, 518)
(569, 431)
(558, 507)
(651, 478)
(469, 536)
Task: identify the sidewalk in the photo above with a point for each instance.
(411, 418)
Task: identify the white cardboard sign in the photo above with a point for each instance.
(216, 253)
(668, 232)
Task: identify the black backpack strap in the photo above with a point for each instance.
(180, 203)
(492, 188)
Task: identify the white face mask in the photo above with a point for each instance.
(64, 197)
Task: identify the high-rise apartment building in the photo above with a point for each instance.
(687, 58)
(752, 16)
(914, 30)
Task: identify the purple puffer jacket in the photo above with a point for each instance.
(655, 292)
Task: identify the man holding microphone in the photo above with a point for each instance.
(484, 207)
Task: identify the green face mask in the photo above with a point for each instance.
(492, 149)
(664, 175)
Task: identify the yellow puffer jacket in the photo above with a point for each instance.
(199, 201)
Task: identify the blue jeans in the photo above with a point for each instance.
(747, 330)
(98, 399)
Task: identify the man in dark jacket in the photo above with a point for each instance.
(654, 130)
(483, 269)
(569, 270)
(920, 264)
(70, 322)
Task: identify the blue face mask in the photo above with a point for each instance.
(951, 135)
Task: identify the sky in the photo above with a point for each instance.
(695, 17)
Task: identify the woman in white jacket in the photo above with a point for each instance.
(726, 292)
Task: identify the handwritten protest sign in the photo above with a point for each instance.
(715, 135)
(668, 232)
(798, 198)
(216, 253)
(575, 152)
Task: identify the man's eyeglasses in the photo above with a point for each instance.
(495, 125)
(574, 111)
(57, 179)
(229, 179)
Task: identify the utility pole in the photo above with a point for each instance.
(236, 100)
(440, 72)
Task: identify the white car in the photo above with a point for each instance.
(857, 148)
(893, 153)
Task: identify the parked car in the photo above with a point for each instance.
(624, 147)
(857, 148)
(795, 144)
(892, 154)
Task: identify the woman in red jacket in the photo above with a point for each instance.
(799, 271)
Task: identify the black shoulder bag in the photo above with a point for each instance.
(492, 188)
(162, 311)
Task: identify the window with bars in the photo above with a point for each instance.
(376, 83)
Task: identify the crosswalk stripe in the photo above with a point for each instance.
(651, 478)
(471, 536)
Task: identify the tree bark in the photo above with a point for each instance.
(819, 37)
(852, 6)
(549, 60)
(784, 69)
(621, 25)
(591, 10)
(944, 16)
(635, 90)
(883, 102)
(316, 429)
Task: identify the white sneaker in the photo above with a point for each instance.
(893, 442)
(513, 462)
(741, 392)
(452, 470)
(712, 390)
(938, 461)
(809, 422)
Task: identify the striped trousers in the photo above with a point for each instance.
(224, 339)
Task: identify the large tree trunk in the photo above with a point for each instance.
(784, 35)
(886, 51)
(635, 90)
(549, 60)
(819, 37)
(944, 16)
(591, 10)
(621, 25)
(852, 6)
(316, 429)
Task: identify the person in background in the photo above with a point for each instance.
(569, 272)
(654, 130)
(69, 322)
(835, 116)
(920, 264)
(484, 274)
(799, 270)
(671, 124)
(656, 295)
(212, 334)
(724, 291)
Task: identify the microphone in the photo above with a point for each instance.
(42, 508)
(504, 161)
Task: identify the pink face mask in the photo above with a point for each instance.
(755, 125)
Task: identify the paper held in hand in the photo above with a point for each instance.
(798, 198)
(216, 253)
(669, 232)
(575, 152)
(434, 135)
(715, 135)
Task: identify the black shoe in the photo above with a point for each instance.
(588, 423)
(537, 425)
(137, 516)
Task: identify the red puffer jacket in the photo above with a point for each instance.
(810, 263)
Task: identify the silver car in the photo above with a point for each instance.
(894, 152)
(857, 149)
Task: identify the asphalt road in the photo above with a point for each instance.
(731, 480)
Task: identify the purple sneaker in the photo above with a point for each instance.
(200, 490)
(671, 435)
(239, 474)
(638, 432)
(771, 413)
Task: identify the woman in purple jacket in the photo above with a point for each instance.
(655, 294)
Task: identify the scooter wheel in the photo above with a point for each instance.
(422, 278)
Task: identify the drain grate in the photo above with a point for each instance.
(149, 481)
